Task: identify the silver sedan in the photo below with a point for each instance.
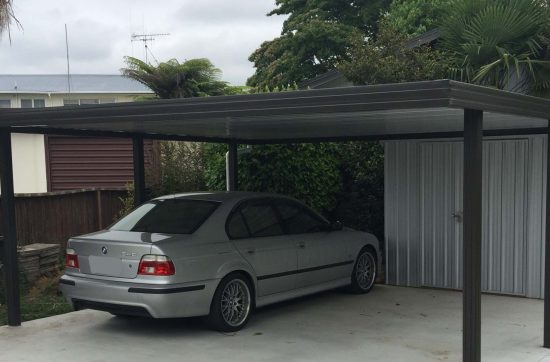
(218, 254)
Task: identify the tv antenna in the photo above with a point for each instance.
(147, 39)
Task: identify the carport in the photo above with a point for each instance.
(421, 110)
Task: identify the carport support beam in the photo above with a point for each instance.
(139, 171)
(471, 307)
(232, 167)
(7, 199)
(546, 342)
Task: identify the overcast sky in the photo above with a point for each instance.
(225, 31)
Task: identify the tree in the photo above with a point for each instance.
(385, 59)
(6, 16)
(315, 37)
(504, 44)
(415, 17)
(172, 79)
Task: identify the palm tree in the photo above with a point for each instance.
(6, 15)
(499, 43)
(172, 79)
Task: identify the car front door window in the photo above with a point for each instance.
(297, 220)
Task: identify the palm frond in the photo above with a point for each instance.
(7, 17)
(172, 79)
(498, 43)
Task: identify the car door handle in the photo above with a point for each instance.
(251, 251)
(302, 245)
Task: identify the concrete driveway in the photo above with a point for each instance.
(389, 324)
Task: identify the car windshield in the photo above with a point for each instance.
(167, 216)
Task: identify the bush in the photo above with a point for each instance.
(361, 201)
(309, 172)
(182, 167)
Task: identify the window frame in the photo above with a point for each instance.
(306, 210)
(242, 204)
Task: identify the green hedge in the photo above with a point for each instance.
(344, 181)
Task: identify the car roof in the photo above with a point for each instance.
(220, 196)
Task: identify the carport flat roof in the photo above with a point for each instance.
(385, 111)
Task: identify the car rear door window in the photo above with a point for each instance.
(167, 216)
(261, 219)
(299, 220)
(236, 226)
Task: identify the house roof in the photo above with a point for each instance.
(80, 83)
(426, 38)
(322, 79)
(384, 111)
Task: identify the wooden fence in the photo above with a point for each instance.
(54, 217)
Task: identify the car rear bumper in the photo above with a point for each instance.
(157, 301)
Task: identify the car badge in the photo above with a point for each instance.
(104, 250)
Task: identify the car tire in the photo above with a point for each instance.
(364, 272)
(232, 304)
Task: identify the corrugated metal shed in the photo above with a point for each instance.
(80, 83)
(423, 184)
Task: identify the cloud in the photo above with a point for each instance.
(218, 12)
(226, 32)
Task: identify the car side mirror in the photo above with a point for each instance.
(336, 226)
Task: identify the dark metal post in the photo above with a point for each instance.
(139, 171)
(7, 199)
(471, 307)
(232, 167)
(546, 342)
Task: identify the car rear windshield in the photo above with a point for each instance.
(167, 216)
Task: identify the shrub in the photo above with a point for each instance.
(182, 167)
(309, 172)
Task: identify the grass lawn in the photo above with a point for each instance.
(42, 299)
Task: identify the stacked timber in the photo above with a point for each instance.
(36, 260)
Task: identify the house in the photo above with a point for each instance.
(423, 207)
(57, 163)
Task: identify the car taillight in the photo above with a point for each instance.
(156, 265)
(71, 259)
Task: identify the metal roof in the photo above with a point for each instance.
(375, 112)
(80, 83)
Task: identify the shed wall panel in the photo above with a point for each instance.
(513, 214)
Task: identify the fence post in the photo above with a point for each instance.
(99, 209)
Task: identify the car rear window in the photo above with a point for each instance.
(168, 216)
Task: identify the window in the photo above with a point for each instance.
(5, 103)
(26, 103)
(261, 219)
(89, 101)
(299, 220)
(70, 102)
(33, 103)
(39, 103)
(169, 216)
(86, 101)
(236, 227)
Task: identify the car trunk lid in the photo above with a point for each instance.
(112, 253)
